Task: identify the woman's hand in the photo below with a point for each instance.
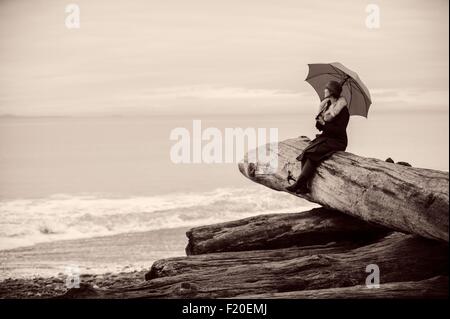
(320, 123)
(321, 120)
(327, 117)
(319, 126)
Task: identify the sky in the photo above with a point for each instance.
(204, 56)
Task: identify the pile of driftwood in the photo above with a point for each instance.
(373, 213)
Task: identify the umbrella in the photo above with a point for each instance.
(353, 89)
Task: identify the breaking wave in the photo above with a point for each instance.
(26, 222)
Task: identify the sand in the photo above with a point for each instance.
(40, 271)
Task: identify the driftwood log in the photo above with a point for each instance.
(405, 262)
(314, 227)
(407, 199)
(436, 288)
(410, 267)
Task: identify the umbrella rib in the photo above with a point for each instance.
(358, 87)
(340, 72)
(314, 76)
(362, 91)
(351, 91)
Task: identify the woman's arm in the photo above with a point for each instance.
(333, 111)
(322, 104)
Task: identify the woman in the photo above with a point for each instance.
(332, 120)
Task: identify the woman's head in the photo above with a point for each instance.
(333, 89)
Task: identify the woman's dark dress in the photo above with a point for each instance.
(332, 139)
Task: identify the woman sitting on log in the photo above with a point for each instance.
(332, 120)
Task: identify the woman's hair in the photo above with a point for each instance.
(335, 89)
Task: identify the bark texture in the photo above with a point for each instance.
(408, 199)
(400, 258)
(314, 227)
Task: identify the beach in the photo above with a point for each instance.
(41, 270)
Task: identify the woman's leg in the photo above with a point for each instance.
(308, 169)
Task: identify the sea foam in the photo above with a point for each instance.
(26, 222)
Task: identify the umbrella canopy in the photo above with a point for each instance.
(353, 89)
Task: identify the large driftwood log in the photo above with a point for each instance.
(408, 199)
(217, 262)
(313, 227)
(436, 288)
(400, 258)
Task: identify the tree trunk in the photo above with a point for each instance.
(408, 199)
(314, 227)
(436, 288)
(217, 262)
(400, 258)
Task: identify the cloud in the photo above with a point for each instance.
(208, 55)
(225, 100)
(212, 92)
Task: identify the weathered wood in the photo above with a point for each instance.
(436, 288)
(409, 199)
(313, 227)
(217, 262)
(400, 258)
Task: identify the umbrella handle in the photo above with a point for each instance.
(345, 80)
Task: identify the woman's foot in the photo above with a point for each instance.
(298, 188)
